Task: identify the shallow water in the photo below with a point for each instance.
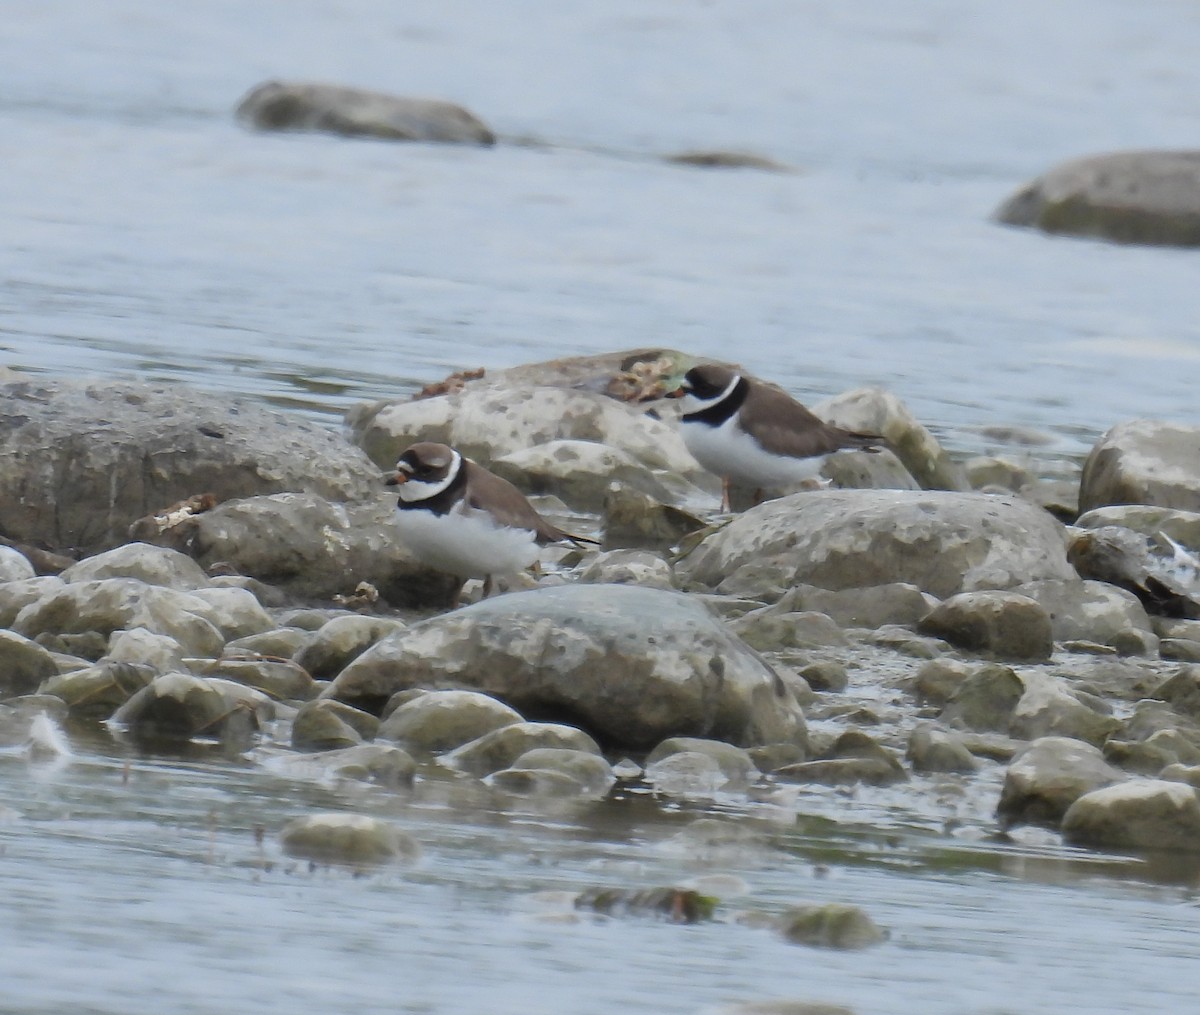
(147, 235)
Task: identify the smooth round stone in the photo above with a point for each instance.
(353, 840)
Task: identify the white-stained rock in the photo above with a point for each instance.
(628, 567)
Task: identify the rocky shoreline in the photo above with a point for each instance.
(180, 568)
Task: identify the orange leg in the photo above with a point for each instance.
(725, 496)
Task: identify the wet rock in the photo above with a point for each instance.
(771, 757)
(180, 706)
(628, 567)
(326, 725)
(504, 745)
(534, 782)
(1125, 558)
(1151, 521)
(237, 613)
(591, 774)
(905, 642)
(1088, 610)
(632, 519)
(634, 665)
(1182, 691)
(154, 565)
(14, 566)
(17, 594)
(880, 470)
(279, 642)
(736, 768)
(159, 652)
(832, 925)
(873, 410)
(114, 604)
(1143, 462)
(1145, 197)
(443, 720)
(985, 699)
(24, 665)
(281, 679)
(1049, 707)
(1004, 624)
(352, 839)
(318, 549)
(1188, 774)
(1183, 651)
(1137, 814)
(355, 112)
(770, 629)
(108, 453)
(381, 764)
(994, 471)
(938, 680)
(680, 905)
(943, 543)
(825, 675)
(1046, 777)
(895, 603)
(854, 757)
(341, 640)
(934, 750)
(95, 692)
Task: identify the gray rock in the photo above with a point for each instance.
(159, 652)
(735, 764)
(825, 675)
(985, 699)
(635, 520)
(628, 567)
(1182, 691)
(443, 720)
(591, 772)
(280, 642)
(634, 665)
(1046, 777)
(943, 543)
(1088, 610)
(154, 565)
(872, 410)
(281, 679)
(1050, 708)
(934, 750)
(105, 454)
(16, 595)
(831, 925)
(355, 840)
(938, 680)
(688, 775)
(1138, 814)
(853, 758)
(341, 640)
(1151, 521)
(179, 706)
(992, 471)
(116, 604)
(895, 603)
(354, 112)
(95, 692)
(1004, 624)
(770, 629)
(1128, 560)
(504, 745)
(326, 725)
(237, 613)
(23, 665)
(1143, 462)
(1189, 774)
(382, 764)
(1145, 197)
(880, 470)
(14, 566)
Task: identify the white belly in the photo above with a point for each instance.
(730, 453)
(468, 543)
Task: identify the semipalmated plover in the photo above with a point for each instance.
(457, 517)
(755, 434)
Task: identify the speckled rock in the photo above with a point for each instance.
(1046, 777)
(340, 641)
(443, 720)
(1151, 521)
(154, 565)
(628, 567)
(853, 758)
(1182, 691)
(633, 665)
(771, 629)
(1088, 610)
(236, 612)
(1143, 462)
(1137, 814)
(350, 839)
(23, 665)
(504, 745)
(280, 642)
(355, 112)
(1003, 624)
(943, 543)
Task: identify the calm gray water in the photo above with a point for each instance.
(145, 234)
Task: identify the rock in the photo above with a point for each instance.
(1126, 559)
(236, 612)
(351, 839)
(504, 745)
(880, 470)
(280, 642)
(854, 757)
(153, 565)
(1004, 624)
(895, 603)
(95, 692)
(825, 675)
(636, 520)
(176, 707)
(443, 720)
(1046, 777)
(280, 679)
(1088, 610)
(1049, 708)
(943, 543)
(355, 112)
(872, 410)
(318, 549)
(1151, 521)
(993, 471)
(534, 782)
(1145, 197)
(592, 774)
(736, 766)
(831, 925)
(628, 567)
(23, 665)
(938, 680)
(1143, 462)
(727, 160)
(634, 665)
(1182, 691)
(14, 566)
(985, 699)
(116, 604)
(1188, 774)
(769, 629)
(158, 652)
(16, 595)
(326, 725)
(1137, 814)
(108, 453)
(340, 641)
(934, 750)
(381, 764)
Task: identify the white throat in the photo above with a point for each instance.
(692, 404)
(416, 490)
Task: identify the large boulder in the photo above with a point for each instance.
(1137, 814)
(354, 112)
(941, 542)
(1143, 461)
(1088, 610)
(80, 462)
(1003, 624)
(631, 665)
(1148, 197)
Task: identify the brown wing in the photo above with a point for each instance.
(508, 506)
(785, 427)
